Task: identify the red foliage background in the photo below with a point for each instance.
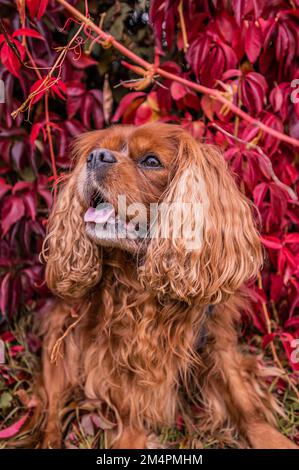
(245, 49)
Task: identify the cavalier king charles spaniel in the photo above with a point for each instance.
(145, 325)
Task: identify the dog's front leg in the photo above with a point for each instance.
(54, 385)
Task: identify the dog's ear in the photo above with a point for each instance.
(73, 261)
(205, 252)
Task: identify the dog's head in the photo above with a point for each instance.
(170, 202)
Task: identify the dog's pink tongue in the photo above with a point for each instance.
(99, 215)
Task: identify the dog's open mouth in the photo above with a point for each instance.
(100, 211)
(101, 217)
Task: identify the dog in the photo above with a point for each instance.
(145, 324)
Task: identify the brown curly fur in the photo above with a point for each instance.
(139, 311)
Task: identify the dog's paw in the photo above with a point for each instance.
(52, 439)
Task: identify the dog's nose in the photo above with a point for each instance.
(100, 158)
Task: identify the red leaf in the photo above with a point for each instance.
(177, 91)
(292, 238)
(125, 104)
(36, 128)
(41, 90)
(58, 87)
(14, 428)
(7, 337)
(143, 114)
(231, 73)
(292, 322)
(81, 62)
(27, 32)
(13, 209)
(253, 90)
(75, 89)
(268, 338)
(9, 58)
(276, 287)
(30, 203)
(281, 261)
(271, 242)
(279, 99)
(208, 106)
(5, 292)
(36, 7)
(290, 259)
(271, 143)
(21, 186)
(32, 6)
(259, 193)
(4, 188)
(92, 109)
(291, 346)
(210, 58)
(42, 8)
(253, 41)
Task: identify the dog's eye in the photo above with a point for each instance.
(150, 161)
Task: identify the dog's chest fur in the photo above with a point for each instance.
(139, 352)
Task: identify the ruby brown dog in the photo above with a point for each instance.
(145, 325)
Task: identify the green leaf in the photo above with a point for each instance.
(5, 400)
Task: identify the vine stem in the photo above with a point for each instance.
(45, 83)
(149, 67)
(47, 116)
(183, 26)
(49, 136)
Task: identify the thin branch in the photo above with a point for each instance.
(49, 136)
(183, 26)
(47, 82)
(151, 69)
(47, 115)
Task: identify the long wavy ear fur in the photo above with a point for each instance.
(227, 251)
(73, 261)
